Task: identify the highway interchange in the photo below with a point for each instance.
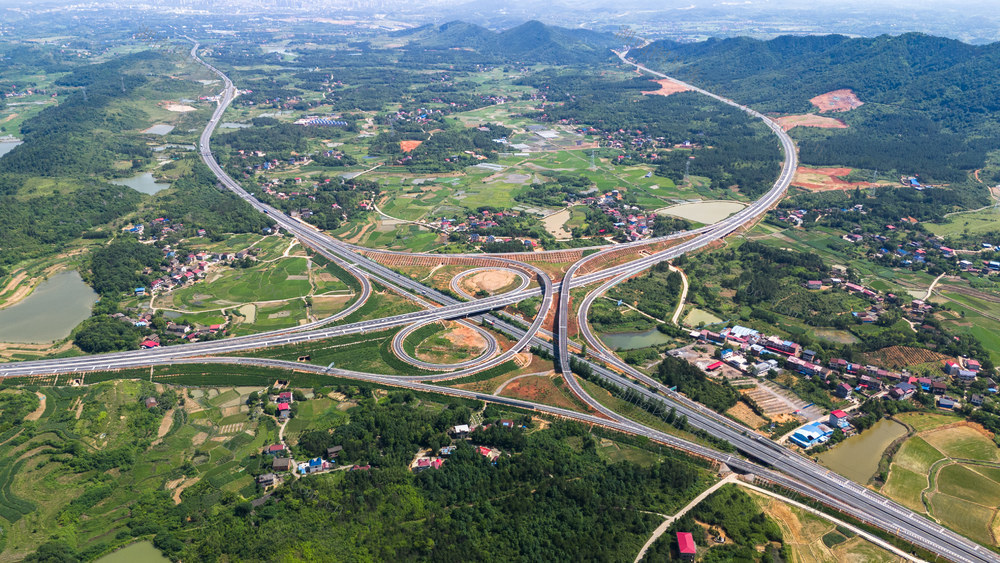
(773, 463)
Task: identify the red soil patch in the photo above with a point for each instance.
(407, 146)
(838, 100)
(810, 120)
(541, 389)
(667, 87)
(826, 179)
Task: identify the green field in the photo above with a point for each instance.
(973, 222)
(921, 421)
(917, 455)
(963, 442)
(964, 517)
(962, 496)
(286, 278)
(906, 487)
(964, 482)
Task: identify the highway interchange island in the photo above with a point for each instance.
(562, 299)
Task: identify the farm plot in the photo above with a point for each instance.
(963, 441)
(282, 279)
(929, 474)
(897, 357)
(964, 517)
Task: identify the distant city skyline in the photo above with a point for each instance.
(972, 21)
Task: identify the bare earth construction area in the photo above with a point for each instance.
(826, 179)
(789, 122)
(838, 100)
(667, 87)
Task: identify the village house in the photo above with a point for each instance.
(938, 388)
(686, 547)
(268, 480)
(282, 464)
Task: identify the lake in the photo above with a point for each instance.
(159, 129)
(706, 212)
(162, 148)
(633, 340)
(857, 457)
(7, 146)
(139, 552)
(144, 183)
(51, 312)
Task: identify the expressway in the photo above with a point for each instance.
(796, 473)
(400, 350)
(819, 482)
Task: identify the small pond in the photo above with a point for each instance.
(7, 146)
(144, 183)
(857, 457)
(51, 312)
(633, 340)
(139, 552)
(706, 212)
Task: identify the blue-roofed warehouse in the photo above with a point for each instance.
(811, 435)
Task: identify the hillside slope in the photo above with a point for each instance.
(529, 42)
(932, 105)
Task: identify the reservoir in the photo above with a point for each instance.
(706, 212)
(857, 457)
(633, 340)
(139, 552)
(144, 183)
(51, 312)
(7, 146)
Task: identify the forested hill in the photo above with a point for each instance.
(915, 70)
(529, 42)
(932, 105)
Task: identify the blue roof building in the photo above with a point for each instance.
(811, 435)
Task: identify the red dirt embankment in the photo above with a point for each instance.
(826, 179)
(838, 100)
(810, 120)
(667, 87)
(407, 146)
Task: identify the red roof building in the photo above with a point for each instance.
(150, 344)
(283, 407)
(685, 546)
